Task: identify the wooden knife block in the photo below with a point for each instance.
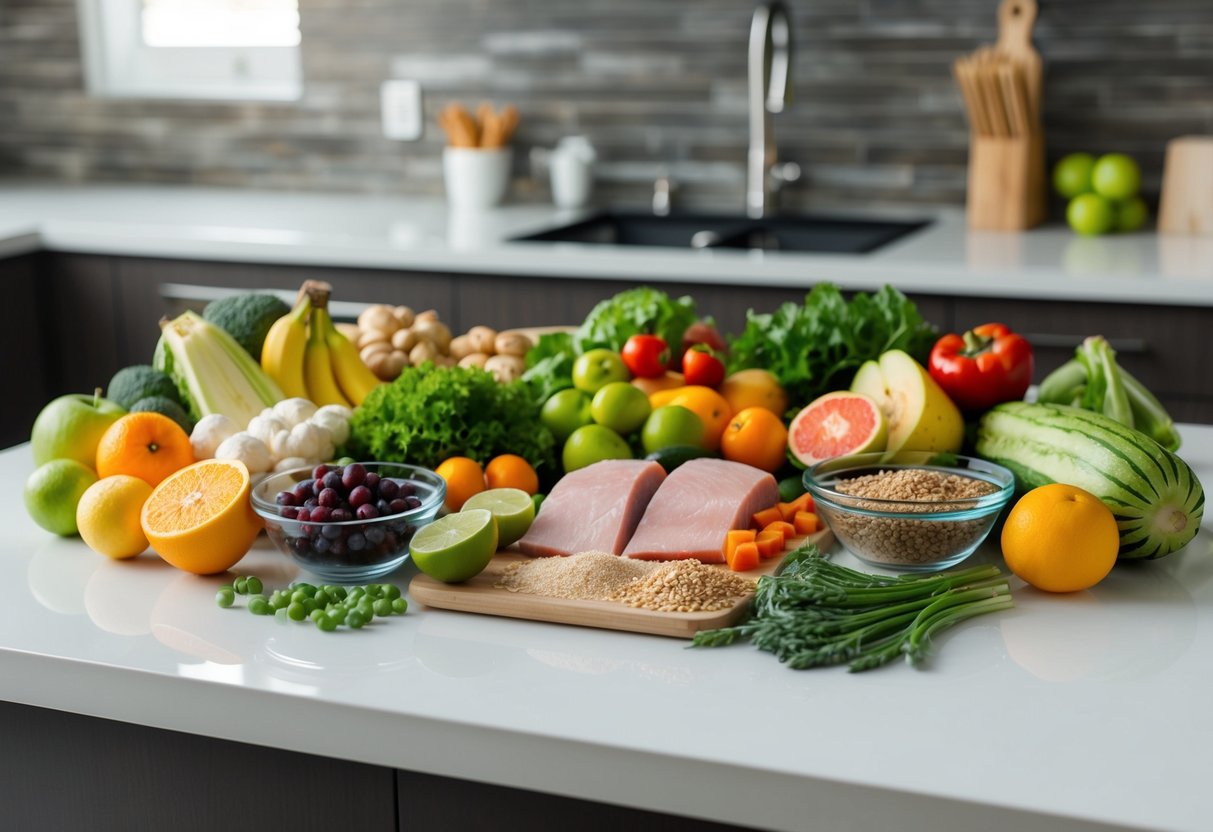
(1006, 190)
(1187, 187)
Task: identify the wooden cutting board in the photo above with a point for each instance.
(479, 595)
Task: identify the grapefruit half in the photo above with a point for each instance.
(837, 424)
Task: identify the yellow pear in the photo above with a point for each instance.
(921, 417)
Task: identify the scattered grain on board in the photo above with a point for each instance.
(686, 586)
(898, 541)
(588, 576)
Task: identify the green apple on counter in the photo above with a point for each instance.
(596, 369)
(565, 411)
(670, 426)
(593, 443)
(70, 427)
(1102, 193)
(920, 415)
(621, 407)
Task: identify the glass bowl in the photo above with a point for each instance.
(350, 551)
(905, 521)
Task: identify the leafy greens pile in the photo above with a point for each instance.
(431, 413)
(817, 347)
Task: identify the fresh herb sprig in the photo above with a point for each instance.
(816, 613)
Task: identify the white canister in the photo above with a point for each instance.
(572, 168)
(476, 178)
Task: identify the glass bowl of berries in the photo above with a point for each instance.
(348, 523)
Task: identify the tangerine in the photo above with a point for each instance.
(754, 388)
(757, 437)
(200, 519)
(464, 477)
(1060, 538)
(709, 406)
(511, 471)
(146, 445)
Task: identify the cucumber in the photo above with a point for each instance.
(673, 456)
(1156, 498)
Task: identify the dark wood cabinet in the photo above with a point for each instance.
(23, 343)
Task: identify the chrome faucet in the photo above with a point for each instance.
(770, 63)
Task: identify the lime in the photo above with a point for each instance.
(1072, 175)
(54, 490)
(1090, 214)
(512, 507)
(456, 547)
(1116, 176)
(1131, 214)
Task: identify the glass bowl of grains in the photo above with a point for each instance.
(915, 511)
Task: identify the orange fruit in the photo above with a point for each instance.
(754, 388)
(144, 445)
(1060, 538)
(511, 471)
(668, 381)
(664, 395)
(464, 477)
(200, 519)
(757, 437)
(708, 405)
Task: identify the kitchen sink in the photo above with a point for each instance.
(780, 233)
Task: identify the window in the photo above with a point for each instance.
(207, 49)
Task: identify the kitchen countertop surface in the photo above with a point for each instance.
(1077, 712)
(413, 233)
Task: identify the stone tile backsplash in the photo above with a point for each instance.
(657, 85)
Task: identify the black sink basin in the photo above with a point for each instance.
(789, 233)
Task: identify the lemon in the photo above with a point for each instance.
(512, 507)
(456, 547)
(108, 516)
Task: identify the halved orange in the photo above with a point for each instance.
(199, 519)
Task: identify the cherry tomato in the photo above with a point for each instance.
(646, 355)
(701, 366)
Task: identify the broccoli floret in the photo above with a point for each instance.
(165, 407)
(130, 384)
(247, 318)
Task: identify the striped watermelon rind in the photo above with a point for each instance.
(1155, 496)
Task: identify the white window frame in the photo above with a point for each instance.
(118, 64)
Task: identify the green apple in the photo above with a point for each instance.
(621, 407)
(593, 443)
(1072, 175)
(565, 411)
(1131, 214)
(53, 491)
(1115, 176)
(1090, 215)
(920, 415)
(596, 369)
(672, 425)
(70, 427)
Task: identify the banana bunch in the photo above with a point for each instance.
(306, 355)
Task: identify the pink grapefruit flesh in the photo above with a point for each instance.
(837, 424)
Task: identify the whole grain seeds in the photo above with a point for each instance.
(686, 586)
(908, 541)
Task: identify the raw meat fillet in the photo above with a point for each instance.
(700, 501)
(595, 508)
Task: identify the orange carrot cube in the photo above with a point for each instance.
(806, 522)
(803, 503)
(736, 537)
(770, 543)
(783, 527)
(745, 557)
(766, 516)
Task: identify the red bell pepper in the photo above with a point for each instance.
(987, 365)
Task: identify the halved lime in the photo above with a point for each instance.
(512, 507)
(456, 547)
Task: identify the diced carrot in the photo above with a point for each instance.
(786, 510)
(766, 516)
(770, 543)
(745, 557)
(802, 503)
(783, 527)
(806, 522)
(736, 537)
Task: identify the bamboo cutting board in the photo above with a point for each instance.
(479, 595)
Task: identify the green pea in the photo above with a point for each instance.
(299, 596)
(296, 611)
(253, 584)
(399, 605)
(374, 591)
(310, 605)
(354, 594)
(391, 592)
(306, 588)
(240, 585)
(225, 597)
(259, 606)
(317, 615)
(280, 615)
(321, 597)
(326, 624)
(383, 607)
(338, 613)
(355, 620)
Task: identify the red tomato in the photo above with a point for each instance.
(702, 367)
(646, 355)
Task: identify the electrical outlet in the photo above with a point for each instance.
(400, 110)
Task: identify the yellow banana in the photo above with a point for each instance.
(282, 354)
(353, 377)
(318, 364)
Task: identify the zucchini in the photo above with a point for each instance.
(673, 456)
(1156, 498)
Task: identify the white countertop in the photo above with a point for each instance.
(411, 233)
(1067, 710)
